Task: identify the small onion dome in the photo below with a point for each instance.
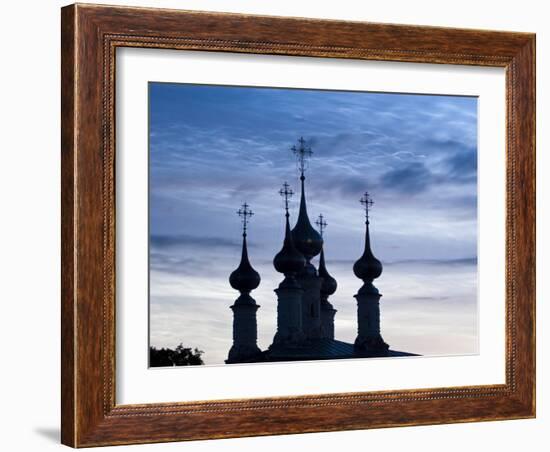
(329, 285)
(244, 278)
(367, 267)
(289, 260)
(306, 238)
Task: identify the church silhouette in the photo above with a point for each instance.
(305, 316)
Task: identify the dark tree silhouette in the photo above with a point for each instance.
(181, 356)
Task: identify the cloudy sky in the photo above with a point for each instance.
(214, 147)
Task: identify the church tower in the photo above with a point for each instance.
(244, 279)
(290, 262)
(369, 341)
(328, 287)
(309, 242)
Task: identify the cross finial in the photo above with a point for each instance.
(302, 152)
(286, 192)
(245, 213)
(321, 223)
(367, 203)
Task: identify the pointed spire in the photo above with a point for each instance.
(289, 260)
(367, 267)
(306, 238)
(244, 278)
(329, 285)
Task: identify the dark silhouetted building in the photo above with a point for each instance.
(305, 316)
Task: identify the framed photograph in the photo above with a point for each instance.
(282, 225)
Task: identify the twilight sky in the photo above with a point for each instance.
(214, 147)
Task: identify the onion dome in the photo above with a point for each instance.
(306, 238)
(244, 278)
(329, 285)
(289, 260)
(367, 267)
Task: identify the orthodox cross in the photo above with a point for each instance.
(245, 213)
(321, 223)
(302, 153)
(367, 203)
(286, 192)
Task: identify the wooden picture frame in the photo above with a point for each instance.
(90, 36)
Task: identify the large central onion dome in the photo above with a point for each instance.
(306, 238)
(244, 278)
